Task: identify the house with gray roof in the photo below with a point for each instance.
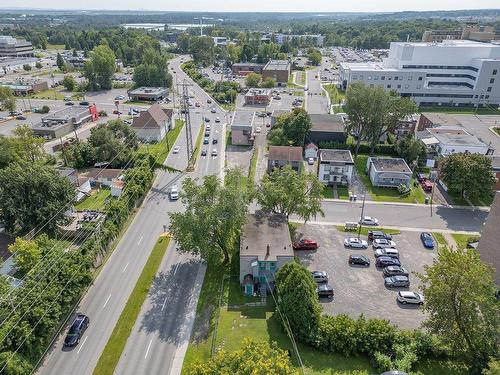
(242, 128)
(152, 125)
(335, 167)
(388, 172)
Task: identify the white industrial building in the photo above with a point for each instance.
(451, 73)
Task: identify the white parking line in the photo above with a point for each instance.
(149, 346)
(83, 343)
(124, 268)
(164, 302)
(176, 267)
(107, 300)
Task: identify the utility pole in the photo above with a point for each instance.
(187, 124)
(362, 214)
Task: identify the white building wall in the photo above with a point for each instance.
(150, 135)
(445, 149)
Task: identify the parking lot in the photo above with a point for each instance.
(360, 290)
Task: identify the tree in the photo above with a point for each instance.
(462, 309)
(69, 82)
(30, 194)
(7, 99)
(253, 358)
(298, 300)
(27, 67)
(268, 83)
(314, 57)
(26, 146)
(99, 69)
(153, 71)
(286, 192)
(493, 368)
(468, 174)
(60, 62)
(38, 65)
(27, 254)
(411, 148)
(252, 80)
(214, 214)
(202, 49)
(291, 128)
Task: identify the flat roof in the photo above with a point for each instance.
(258, 92)
(147, 90)
(462, 139)
(336, 155)
(242, 120)
(277, 65)
(441, 118)
(263, 230)
(390, 165)
(327, 123)
(68, 113)
(248, 64)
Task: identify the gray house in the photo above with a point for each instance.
(388, 172)
(265, 246)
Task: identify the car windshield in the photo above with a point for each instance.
(73, 330)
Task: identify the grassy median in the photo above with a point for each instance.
(116, 343)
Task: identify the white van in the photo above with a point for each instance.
(174, 193)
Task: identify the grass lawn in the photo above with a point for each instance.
(197, 144)
(97, 201)
(228, 137)
(479, 111)
(290, 83)
(342, 191)
(496, 130)
(298, 92)
(463, 239)
(159, 150)
(327, 192)
(114, 348)
(483, 201)
(48, 94)
(365, 230)
(335, 94)
(441, 241)
(381, 194)
(253, 166)
(303, 77)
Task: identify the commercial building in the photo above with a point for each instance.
(26, 87)
(258, 97)
(152, 125)
(471, 31)
(335, 167)
(279, 38)
(242, 128)
(432, 119)
(327, 128)
(64, 121)
(12, 47)
(11, 64)
(243, 69)
(452, 73)
(388, 172)
(280, 156)
(279, 70)
(265, 246)
(448, 140)
(220, 41)
(148, 93)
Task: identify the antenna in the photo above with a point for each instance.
(187, 124)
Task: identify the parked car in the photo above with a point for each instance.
(213, 110)
(209, 101)
(368, 220)
(120, 97)
(374, 234)
(206, 141)
(385, 261)
(413, 298)
(215, 141)
(84, 103)
(214, 152)
(277, 97)
(176, 149)
(427, 240)
(69, 103)
(217, 119)
(397, 282)
(21, 117)
(324, 291)
(305, 244)
(67, 98)
(320, 276)
(310, 161)
(421, 177)
(78, 327)
(386, 252)
(207, 133)
(359, 259)
(207, 119)
(115, 112)
(381, 243)
(258, 129)
(203, 152)
(355, 243)
(174, 193)
(395, 271)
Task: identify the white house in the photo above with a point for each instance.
(104, 176)
(83, 188)
(335, 166)
(311, 151)
(152, 125)
(388, 172)
(117, 188)
(447, 140)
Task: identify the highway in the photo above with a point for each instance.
(163, 329)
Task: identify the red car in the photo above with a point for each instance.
(305, 245)
(427, 186)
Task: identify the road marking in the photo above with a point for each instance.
(83, 343)
(105, 303)
(140, 240)
(149, 346)
(164, 302)
(124, 268)
(176, 266)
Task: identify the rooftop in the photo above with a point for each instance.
(336, 155)
(242, 120)
(441, 118)
(490, 237)
(289, 153)
(147, 90)
(390, 165)
(263, 230)
(248, 64)
(277, 65)
(458, 139)
(258, 92)
(153, 118)
(68, 113)
(327, 123)
(110, 174)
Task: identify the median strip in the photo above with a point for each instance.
(116, 343)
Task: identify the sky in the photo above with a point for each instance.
(260, 5)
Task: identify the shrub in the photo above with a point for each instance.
(338, 334)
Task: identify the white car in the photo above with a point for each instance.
(258, 129)
(214, 152)
(410, 297)
(176, 149)
(217, 119)
(120, 97)
(208, 127)
(368, 220)
(174, 193)
(355, 243)
(310, 161)
(382, 243)
(387, 252)
(213, 110)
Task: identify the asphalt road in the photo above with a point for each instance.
(315, 101)
(162, 331)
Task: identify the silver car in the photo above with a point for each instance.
(397, 282)
(381, 243)
(413, 298)
(355, 243)
(387, 252)
(320, 276)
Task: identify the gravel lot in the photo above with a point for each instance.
(361, 290)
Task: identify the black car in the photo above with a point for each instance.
(214, 141)
(395, 271)
(377, 234)
(359, 259)
(69, 103)
(84, 103)
(324, 291)
(385, 261)
(76, 330)
(203, 152)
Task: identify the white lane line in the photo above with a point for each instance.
(107, 300)
(149, 346)
(124, 268)
(176, 267)
(140, 240)
(83, 343)
(164, 302)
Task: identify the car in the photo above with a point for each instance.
(397, 281)
(115, 112)
(214, 152)
(197, 105)
(258, 129)
(385, 261)
(207, 133)
(395, 271)
(310, 161)
(277, 97)
(421, 177)
(174, 193)
(382, 243)
(215, 141)
(67, 98)
(203, 152)
(120, 97)
(426, 186)
(206, 141)
(207, 119)
(84, 103)
(213, 110)
(21, 117)
(413, 298)
(387, 252)
(208, 127)
(427, 240)
(320, 276)
(359, 259)
(75, 332)
(374, 234)
(217, 119)
(209, 101)
(69, 103)
(305, 244)
(355, 243)
(176, 149)
(324, 291)
(268, 125)
(368, 220)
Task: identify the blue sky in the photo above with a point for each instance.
(261, 5)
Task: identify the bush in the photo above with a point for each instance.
(338, 334)
(103, 113)
(45, 109)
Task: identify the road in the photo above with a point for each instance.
(316, 102)
(161, 332)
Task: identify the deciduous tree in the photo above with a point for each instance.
(7, 99)
(27, 253)
(153, 70)
(291, 128)
(99, 69)
(252, 80)
(69, 82)
(411, 148)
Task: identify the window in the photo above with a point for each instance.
(390, 78)
(494, 73)
(399, 86)
(382, 78)
(410, 78)
(326, 177)
(375, 78)
(396, 78)
(492, 80)
(420, 78)
(407, 86)
(388, 86)
(489, 89)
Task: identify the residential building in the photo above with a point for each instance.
(265, 246)
(81, 183)
(327, 128)
(279, 156)
(103, 176)
(12, 47)
(388, 172)
(256, 96)
(242, 125)
(457, 73)
(148, 93)
(279, 70)
(335, 167)
(447, 140)
(311, 150)
(495, 165)
(152, 125)
(11, 64)
(406, 126)
(117, 187)
(243, 69)
(26, 87)
(220, 41)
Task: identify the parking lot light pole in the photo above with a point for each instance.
(362, 214)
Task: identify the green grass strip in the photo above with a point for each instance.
(116, 343)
